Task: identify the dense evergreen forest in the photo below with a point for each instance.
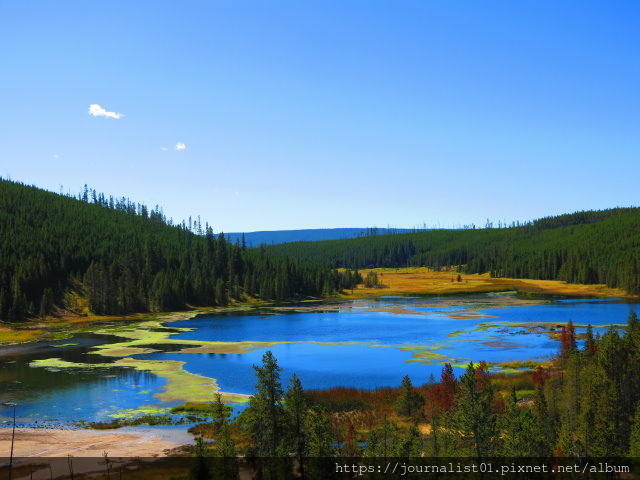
(583, 405)
(585, 247)
(112, 256)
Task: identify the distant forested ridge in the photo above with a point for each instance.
(584, 247)
(112, 256)
(255, 239)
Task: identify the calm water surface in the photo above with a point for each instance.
(388, 338)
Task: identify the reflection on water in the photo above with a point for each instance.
(389, 338)
(64, 395)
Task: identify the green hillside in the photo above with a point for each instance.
(585, 247)
(120, 257)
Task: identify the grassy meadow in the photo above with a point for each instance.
(424, 281)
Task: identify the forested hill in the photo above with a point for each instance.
(585, 247)
(111, 256)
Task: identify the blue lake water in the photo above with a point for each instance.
(387, 339)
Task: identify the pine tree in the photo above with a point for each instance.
(265, 413)
(613, 359)
(46, 303)
(384, 442)
(409, 403)
(220, 412)
(567, 339)
(520, 431)
(411, 444)
(225, 464)
(319, 445)
(446, 389)
(201, 464)
(221, 296)
(634, 440)
(295, 404)
(473, 415)
(606, 437)
(590, 347)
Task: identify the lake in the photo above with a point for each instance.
(147, 367)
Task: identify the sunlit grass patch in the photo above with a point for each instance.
(423, 281)
(9, 335)
(194, 407)
(520, 364)
(199, 408)
(506, 381)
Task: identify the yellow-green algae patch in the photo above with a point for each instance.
(140, 335)
(222, 347)
(181, 385)
(410, 348)
(140, 411)
(425, 357)
(551, 328)
(59, 363)
(65, 345)
(421, 354)
(469, 316)
(455, 333)
(125, 351)
(517, 366)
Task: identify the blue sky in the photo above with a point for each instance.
(314, 114)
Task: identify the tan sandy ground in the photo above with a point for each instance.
(85, 447)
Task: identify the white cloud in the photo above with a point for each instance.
(97, 111)
(180, 146)
(164, 149)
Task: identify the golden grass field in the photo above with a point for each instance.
(422, 281)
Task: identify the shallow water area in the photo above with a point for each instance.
(149, 367)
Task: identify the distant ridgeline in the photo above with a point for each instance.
(255, 239)
(584, 247)
(111, 256)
